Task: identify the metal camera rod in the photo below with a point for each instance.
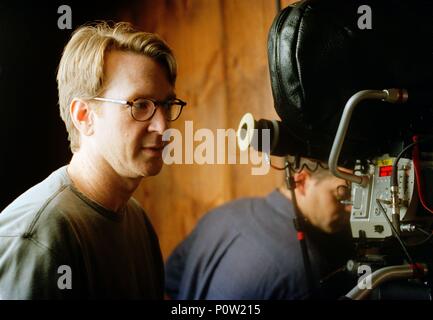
(388, 95)
(406, 271)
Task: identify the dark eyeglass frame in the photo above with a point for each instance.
(155, 103)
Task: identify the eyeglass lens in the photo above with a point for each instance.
(143, 109)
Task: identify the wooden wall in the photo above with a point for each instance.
(220, 46)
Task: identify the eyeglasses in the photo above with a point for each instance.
(143, 109)
(344, 193)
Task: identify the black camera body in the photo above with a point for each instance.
(320, 54)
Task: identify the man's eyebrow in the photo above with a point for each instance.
(170, 96)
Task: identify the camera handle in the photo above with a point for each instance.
(388, 95)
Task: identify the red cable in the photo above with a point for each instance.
(417, 269)
(415, 156)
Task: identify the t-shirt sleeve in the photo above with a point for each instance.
(42, 261)
(29, 270)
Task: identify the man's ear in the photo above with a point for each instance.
(82, 116)
(302, 179)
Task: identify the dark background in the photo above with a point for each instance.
(33, 136)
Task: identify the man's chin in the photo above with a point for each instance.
(152, 168)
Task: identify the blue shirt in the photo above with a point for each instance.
(248, 249)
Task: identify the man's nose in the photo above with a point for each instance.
(158, 123)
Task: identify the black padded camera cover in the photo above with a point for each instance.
(319, 57)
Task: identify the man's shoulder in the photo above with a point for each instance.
(226, 217)
(235, 209)
(256, 222)
(258, 205)
(251, 214)
(24, 214)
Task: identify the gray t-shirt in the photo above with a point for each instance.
(55, 243)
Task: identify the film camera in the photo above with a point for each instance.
(358, 95)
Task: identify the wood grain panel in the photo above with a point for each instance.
(249, 90)
(285, 3)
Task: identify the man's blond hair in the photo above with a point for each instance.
(81, 69)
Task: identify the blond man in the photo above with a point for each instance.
(79, 233)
